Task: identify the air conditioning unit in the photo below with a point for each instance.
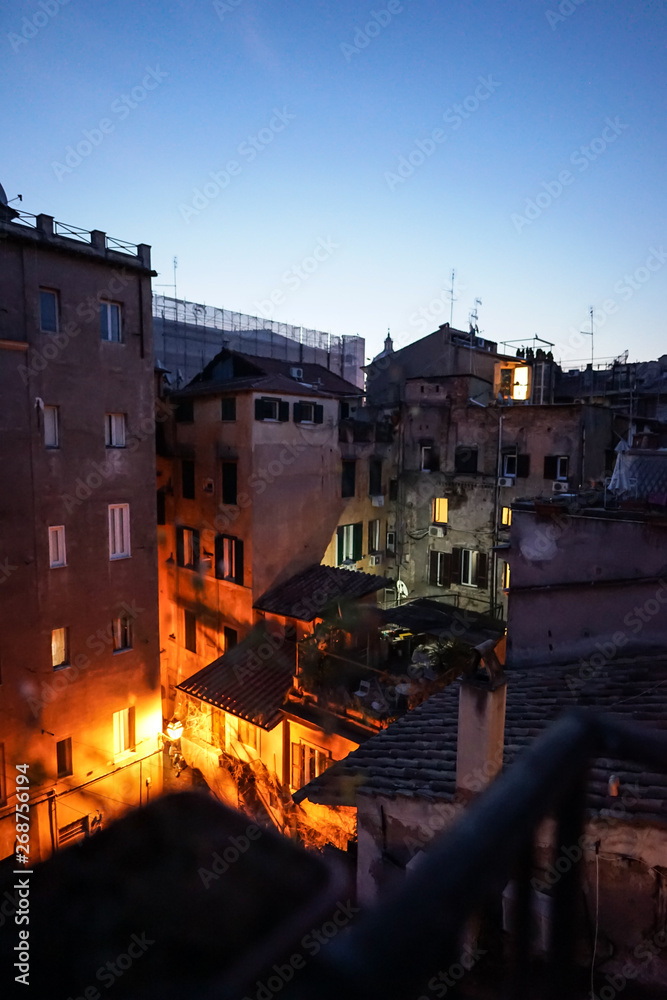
(558, 487)
(377, 501)
(296, 372)
(375, 560)
(506, 481)
(208, 486)
(435, 532)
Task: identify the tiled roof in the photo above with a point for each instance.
(306, 595)
(443, 620)
(250, 681)
(416, 756)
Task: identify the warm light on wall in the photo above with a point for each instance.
(520, 386)
(175, 729)
(440, 510)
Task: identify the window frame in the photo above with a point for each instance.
(229, 558)
(469, 563)
(349, 539)
(187, 544)
(64, 760)
(56, 299)
(348, 483)
(190, 630)
(121, 634)
(106, 306)
(374, 536)
(303, 756)
(426, 457)
(124, 731)
(505, 517)
(54, 412)
(57, 546)
(510, 464)
(65, 662)
(112, 423)
(436, 510)
(124, 523)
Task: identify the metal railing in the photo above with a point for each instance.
(394, 948)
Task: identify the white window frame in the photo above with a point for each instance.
(51, 425)
(121, 632)
(107, 310)
(426, 453)
(469, 563)
(123, 725)
(57, 547)
(119, 531)
(510, 464)
(61, 633)
(311, 408)
(440, 574)
(114, 430)
(54, 294)
(374, 536)
(348, 543)
(391, 540)
(275, 405)
(562, 463)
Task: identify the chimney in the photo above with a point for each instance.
(481, 733)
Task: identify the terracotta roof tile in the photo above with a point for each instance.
(306, 595)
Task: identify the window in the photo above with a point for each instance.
(349, 479)
(271, 409)
(60, 647)
(522, 466)
(440, 568)
(248, 734)
(121, 631)
(506, 517)
(190, 623)
(114, 430)
(460, 566)
(110, 321)
(228, 408)
(391, 541)
(51, 427)
(509, 464)
(231, 637)
(375, 477)
(229, 558)
(308, 413)
(187, 548)
(123, 731)
(48, 310)
(229, 482)
(185, 411)
(162, 505)
(465, 460)
(506, 576)
(119, 530)
(57, 553)
(3, 779)
(393, 489)
(64, 757)
(374, 536)
(188, 479)
(307, 763)
(428, 460)
(349, 539)
(440, 510)
(469, 567)
(556, 467)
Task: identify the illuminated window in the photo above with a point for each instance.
(119, 530)
(506, 576)
(110, 328)
(60, 647)
(48, 311)
(248, 734)
(349, 542)
(440, 510)
(187, 547)
(308, 762)
(229, 558)
(506, 516)
(57, 553)
(123, 731)
(51, 427)
(114, 430)
(520, 386)
(64, 757)
(121, 631)
(374, 536)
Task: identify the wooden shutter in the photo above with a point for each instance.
(319, 413)
(445, 569)
(180, 556)
(523, 466)
(283, 410)
(238, 558)
(482, 570)
(339, 546)
(298, 413)
(456, 566)
(433, 568)
(357, 540)
(260, 413)
(550, 467)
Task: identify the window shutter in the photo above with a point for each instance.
(434, 459)
(239, 561)
(298, 413)
(456, 566)
(195, 549)
(297, 764)
(523, 466)
(482, 570)
(259, 409)
(550, 467)
(319, 413)
(180, 551)
(357, 540)
(229, 482)
(339, 546)
(161, 506)
(283, 411)
(220, 557)
(131, 739)
(446, 569)
(433, 568)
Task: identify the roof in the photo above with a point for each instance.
(250, 681)
(443, 620)
(306, 595)
(233, 370)
(416, 756)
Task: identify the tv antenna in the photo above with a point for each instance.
(452, 300)
(590, 333)
(173, 285)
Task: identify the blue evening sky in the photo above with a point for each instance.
(521, 143)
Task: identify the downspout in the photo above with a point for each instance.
(496, 505)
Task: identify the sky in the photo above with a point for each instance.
(330, 164)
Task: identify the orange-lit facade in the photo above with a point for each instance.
(80, 686)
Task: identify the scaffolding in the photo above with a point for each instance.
(187, 335)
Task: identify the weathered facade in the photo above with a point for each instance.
(78, 591)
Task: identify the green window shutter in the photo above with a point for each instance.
(339, 546)
(283, 411)
(357, 540)
(319, 413)
(482, 570)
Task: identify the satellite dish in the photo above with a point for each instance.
(401, 589)
(3, 196)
